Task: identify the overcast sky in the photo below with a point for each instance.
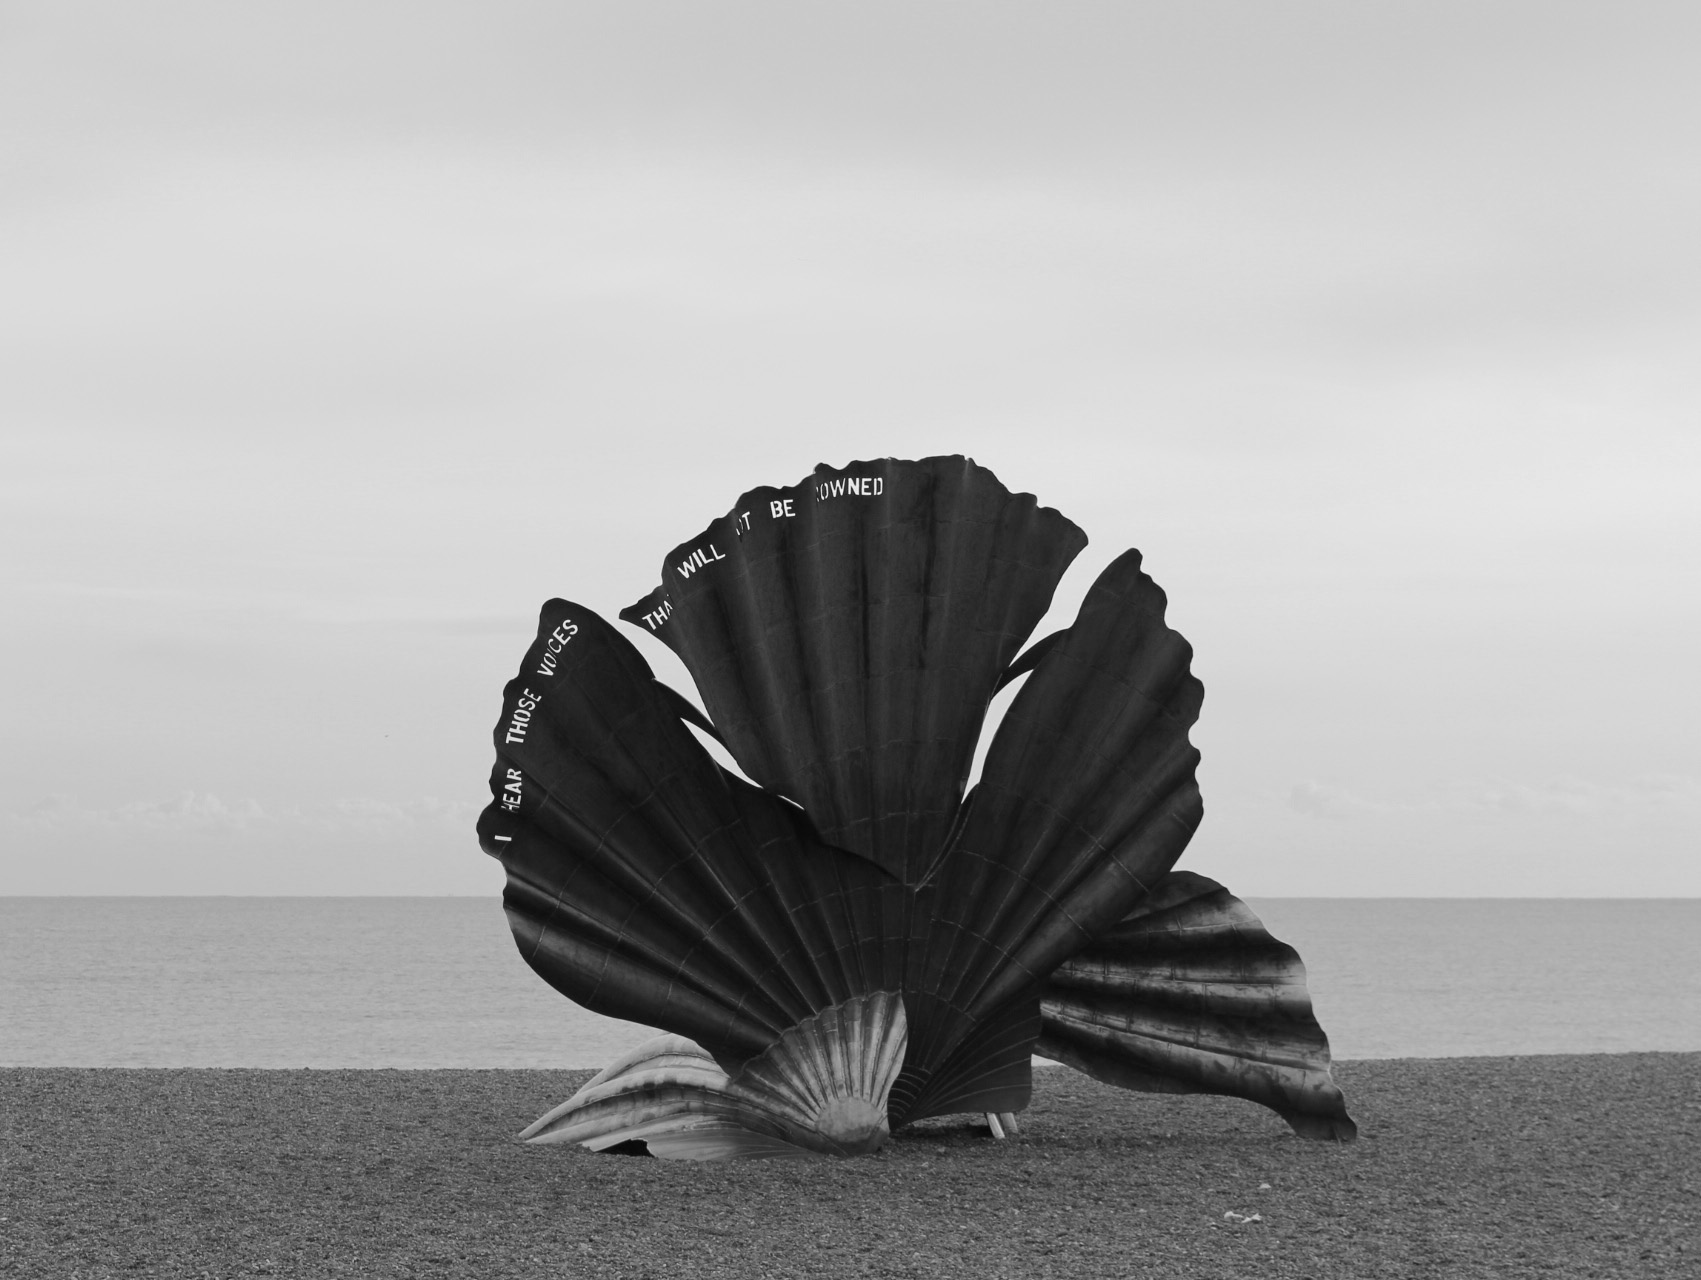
(334, 338)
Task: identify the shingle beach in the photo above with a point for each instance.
(1543, 1166)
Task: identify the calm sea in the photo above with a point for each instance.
(436, 982)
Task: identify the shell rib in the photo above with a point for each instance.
(820, 1089)
(1190, 994)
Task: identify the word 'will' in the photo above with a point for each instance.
(698, 559)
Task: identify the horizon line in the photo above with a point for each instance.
(1279, 897)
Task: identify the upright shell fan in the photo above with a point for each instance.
(854, 943)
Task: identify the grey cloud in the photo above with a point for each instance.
(1499, 797)
(1321, 801)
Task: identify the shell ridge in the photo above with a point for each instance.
(1120, 742)
(667, 1046)
(668, 918)
(806, 1076)
(1188, 924)
(1129, 790)
(838, 1059)
(827, 730)
(1045, 932)
(767, 684)
(817, 949)
(936, 614)
(757, 914)
(824, 1062)
(1226, 993)
(833, 921)
(954, 974)
(1090, 906)
(1178, 889)
(986, 1068)
(1084, 804)
(835, 946)
(1106, 860)
(776, 983)
(981, 916)
(1209, 1037)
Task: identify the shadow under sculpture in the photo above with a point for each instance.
(854, 943)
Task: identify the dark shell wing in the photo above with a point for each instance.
(1086, 801)
(846, 635)
(644, 881)
(1190, 994)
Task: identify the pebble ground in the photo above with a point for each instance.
(1467, 1167)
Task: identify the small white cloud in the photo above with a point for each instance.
(1584, 797)
(1320, 800)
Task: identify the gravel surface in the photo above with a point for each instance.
(1549, 1166)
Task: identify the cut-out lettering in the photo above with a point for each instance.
(520, 718)
(553, 644)
(657, 616)
(699, 559)
(511, 791)
(850, 487)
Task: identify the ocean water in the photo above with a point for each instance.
(437, 982)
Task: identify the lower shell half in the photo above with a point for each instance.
(821, 1089)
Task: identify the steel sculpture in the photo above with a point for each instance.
(853, 942)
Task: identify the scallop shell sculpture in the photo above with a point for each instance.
(853, 942)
